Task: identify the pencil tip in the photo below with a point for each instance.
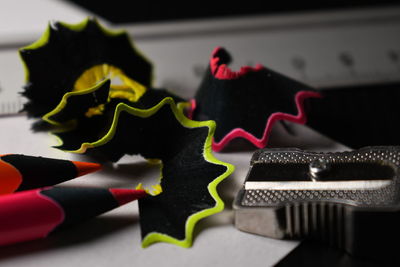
(86, 167)
(124, 196)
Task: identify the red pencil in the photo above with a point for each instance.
(34, 214)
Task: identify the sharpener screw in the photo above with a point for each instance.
(317, 167)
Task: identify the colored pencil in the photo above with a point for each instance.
(21, 172)
(35, 214)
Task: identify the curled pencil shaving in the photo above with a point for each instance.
(190, 172)
(75, 57)
(246, 104)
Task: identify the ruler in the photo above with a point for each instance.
(322, 49)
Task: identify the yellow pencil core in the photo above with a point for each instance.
(121, 85)
(154, 189)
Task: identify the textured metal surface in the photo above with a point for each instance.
(323, 221)
(385, 196)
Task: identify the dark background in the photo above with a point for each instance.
(124, 11)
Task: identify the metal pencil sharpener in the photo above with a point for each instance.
(347, 199)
